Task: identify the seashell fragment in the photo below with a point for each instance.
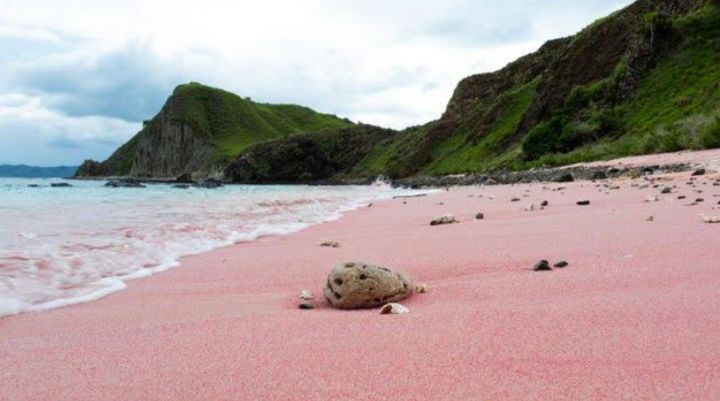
(306, 294)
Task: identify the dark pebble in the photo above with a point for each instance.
(700, 171)
(542, 266)
(306, 305)
(583, 202)
(479, 216)
(561, 264)
(544, 203)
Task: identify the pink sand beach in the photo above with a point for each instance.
(635, 315)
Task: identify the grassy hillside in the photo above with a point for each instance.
(645, 79)
(232, 123)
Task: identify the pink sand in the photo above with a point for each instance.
(636, 315)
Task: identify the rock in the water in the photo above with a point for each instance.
(561, 264)
(331, 244)
(306, 305)
(444, 219)
(60, 185)
(360, 285)
(210, 183)
(479, 216)
(583, 202)
(394, 309)
(542, 265)
(306, 295)
(700, 171)
(181, 186)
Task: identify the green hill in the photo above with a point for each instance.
(646, 79)
(201, 129)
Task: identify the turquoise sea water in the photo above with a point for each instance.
(60, 246)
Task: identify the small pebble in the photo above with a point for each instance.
(542, 265)
(394, 309)
(445, 219)
(306, 305)
(583, 202)
(479, 216)
(420, 288)
(544, 203)
(561, 264)
(330, 244)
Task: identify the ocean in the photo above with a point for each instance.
(61, 246)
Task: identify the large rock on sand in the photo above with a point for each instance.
(359, 285)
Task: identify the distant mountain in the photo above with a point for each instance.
(201, 129)
(24, 171)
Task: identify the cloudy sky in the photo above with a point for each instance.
(78, 76)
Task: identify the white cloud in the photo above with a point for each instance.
(392, 63)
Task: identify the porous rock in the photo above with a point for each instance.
(356, 285)
(444, 219)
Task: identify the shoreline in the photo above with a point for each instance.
(633, 316)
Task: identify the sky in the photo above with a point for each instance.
(77, 77)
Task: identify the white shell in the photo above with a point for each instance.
(306, 294)
(394, 309)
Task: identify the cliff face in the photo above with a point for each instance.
(168, 148)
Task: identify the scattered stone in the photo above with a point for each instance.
(699, 200)
(711, 219)
(666, 190)
(516, 199)
(650, 218)
(330, 244)
(181, 186)
(530, 207)
(124, 184)
(599, 175)
(479, 216)
(542, 265)
(60, 185)
(359, 285)
(444, 219)
(305, 305)
(394, 309)
(306, 295)
(561, 264)
(370, 205)
(583, 202)
(681, 197)
(698, 172)
(652, 199)
(420, 288)
(544, 203)
(33, 186)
